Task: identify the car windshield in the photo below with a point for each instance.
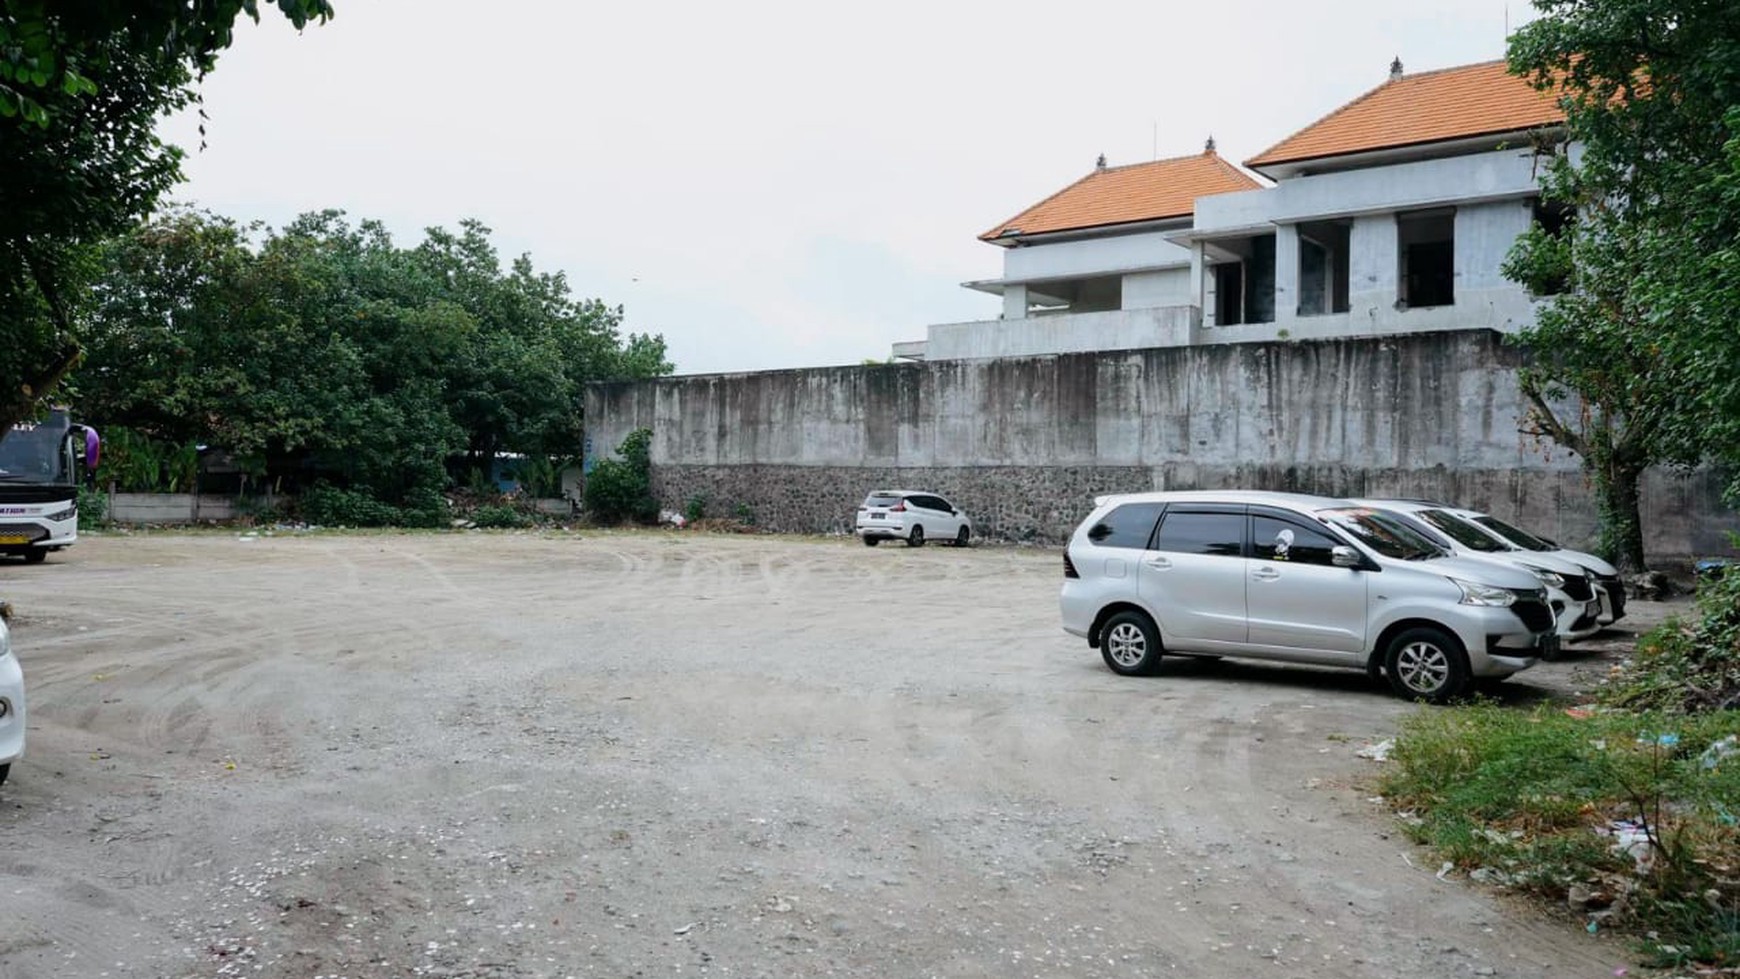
(882, 499)
(1521, 538)
(1383, 532)
(1462, 532)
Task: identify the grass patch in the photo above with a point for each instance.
(1546, 802)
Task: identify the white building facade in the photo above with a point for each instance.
(1391, 215)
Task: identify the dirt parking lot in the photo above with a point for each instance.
(659, 754)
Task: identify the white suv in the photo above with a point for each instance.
(11, 705)
(1301, 579)
(913, 516)
(1571, 589)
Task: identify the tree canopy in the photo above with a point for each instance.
(325, 350)
(1637, 358)
(83, 84)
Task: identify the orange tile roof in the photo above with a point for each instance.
(1121, 195)
(1451, 103)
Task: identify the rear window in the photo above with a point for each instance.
(1127, 526)
(882, 499)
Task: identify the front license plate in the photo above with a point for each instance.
(14, 539)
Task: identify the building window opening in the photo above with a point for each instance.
(1323, 260)
(1427, 272)
(1554, 218)
(1244, 280)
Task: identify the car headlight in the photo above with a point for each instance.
(67, 514)
(1551, 579)
(1477, 594)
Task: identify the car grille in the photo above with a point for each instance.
(1534, 614)
(1615, 593)
(1578, 588)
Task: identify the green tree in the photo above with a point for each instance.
(325, 350)
(82, 86)
(1637, 362)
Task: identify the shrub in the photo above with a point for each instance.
(499, 516)
(93, 509)
(329, 506)
(696, 508)
(621, 489)
(1687, 666)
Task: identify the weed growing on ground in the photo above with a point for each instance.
(1630, 816)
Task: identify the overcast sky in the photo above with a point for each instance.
(772, 184)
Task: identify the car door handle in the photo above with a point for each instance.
(1158, 563)
(1265, 574)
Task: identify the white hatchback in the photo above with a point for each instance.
(913, 516)
(11, 705)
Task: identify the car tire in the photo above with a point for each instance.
(36, 555)
(915, 537)
(871, 542)
(1427, 664)
(1130, 644)
(962, 536)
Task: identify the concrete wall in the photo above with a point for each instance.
(1167, 287)
(1024, 444)
(1123, 329)
(169, 508)
(1092, 256)
(1460, 180)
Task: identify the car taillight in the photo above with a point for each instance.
(897, 508)
(1069, 567)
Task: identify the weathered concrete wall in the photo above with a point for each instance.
(169, 508)
(1023, 444)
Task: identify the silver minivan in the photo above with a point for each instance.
(1303, 579)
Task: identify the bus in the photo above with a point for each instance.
(40, 466)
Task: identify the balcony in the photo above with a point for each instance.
(1058, 333)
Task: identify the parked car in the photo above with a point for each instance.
(11, 704)
(1608, 588)
(1293, 578)
(913, 516)
(1571, 589)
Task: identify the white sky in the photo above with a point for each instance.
(772, 184)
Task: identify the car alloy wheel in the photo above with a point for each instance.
(1126, 644)
(1423, 667)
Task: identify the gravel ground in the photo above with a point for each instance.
(659, 754)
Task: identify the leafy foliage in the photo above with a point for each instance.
(621, 489)
(93, 509)
(326, 351)
(500, 516)
(82, 86)
(1637, 362)
(1687, 665)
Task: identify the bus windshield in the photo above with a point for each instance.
(36, 453)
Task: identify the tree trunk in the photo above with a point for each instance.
(1617, 487)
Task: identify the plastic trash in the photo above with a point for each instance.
(1379, 751)
(1719, 750)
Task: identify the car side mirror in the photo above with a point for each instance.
(1343, 556)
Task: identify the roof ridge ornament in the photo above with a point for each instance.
(1396, 69)
(1208, 147)
(1100, 164)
